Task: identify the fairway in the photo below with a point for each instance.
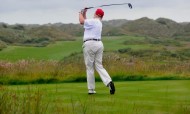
(54, 51)
(133, 97)
(61, 49)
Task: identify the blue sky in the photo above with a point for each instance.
(66, 11)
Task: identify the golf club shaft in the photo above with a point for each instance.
(129, 4)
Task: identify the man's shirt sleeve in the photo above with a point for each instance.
(88, 24)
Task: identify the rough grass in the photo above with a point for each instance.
(142, 97)
(72, 69)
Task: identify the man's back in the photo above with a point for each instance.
(93, 29)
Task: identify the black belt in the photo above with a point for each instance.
(92, 39)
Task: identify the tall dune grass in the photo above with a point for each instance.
(72, 68)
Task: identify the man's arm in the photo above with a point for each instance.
(82, 16)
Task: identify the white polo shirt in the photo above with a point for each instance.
(93, 29)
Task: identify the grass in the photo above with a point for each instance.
(55, 51)
(61, 49)
(63, 62)
(152, 97)
(72, 69)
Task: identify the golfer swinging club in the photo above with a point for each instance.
(93, 50)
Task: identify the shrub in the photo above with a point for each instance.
(124, 50)
(18, 27)
(39, 42)
(6, 39)
(2, 45)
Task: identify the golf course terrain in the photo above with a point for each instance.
(132, 97)
(151, 77)
(51, 59)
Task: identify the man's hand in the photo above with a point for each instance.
(82, 15)
(83, 11)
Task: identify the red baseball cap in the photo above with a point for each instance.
(100, 13)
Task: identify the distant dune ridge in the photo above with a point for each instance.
(42, 35)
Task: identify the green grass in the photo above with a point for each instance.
(52, 52)
(61, 49)
(154, 97)
(135, 97)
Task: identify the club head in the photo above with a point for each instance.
(130, 6)
(89, 8)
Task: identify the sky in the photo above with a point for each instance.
(66, 11)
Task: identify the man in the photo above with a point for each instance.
(93, 50)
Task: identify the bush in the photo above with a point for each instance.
(2, 45)
(124, 50)
(6, 39)
(185, 52)
(3, 25)
(39, 42)
(35, 40)
(18, 27)
(165, 42)
(138, 53)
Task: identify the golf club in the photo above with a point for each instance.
(129, 4)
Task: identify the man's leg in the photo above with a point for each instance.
(102, 72)
(89, 62)
(100, 69)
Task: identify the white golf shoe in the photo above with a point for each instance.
(91, 91)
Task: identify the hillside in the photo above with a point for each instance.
(42, 35)
(159, 28)
(154, 28)
(32, 35)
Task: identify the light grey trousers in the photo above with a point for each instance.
(93, 51)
